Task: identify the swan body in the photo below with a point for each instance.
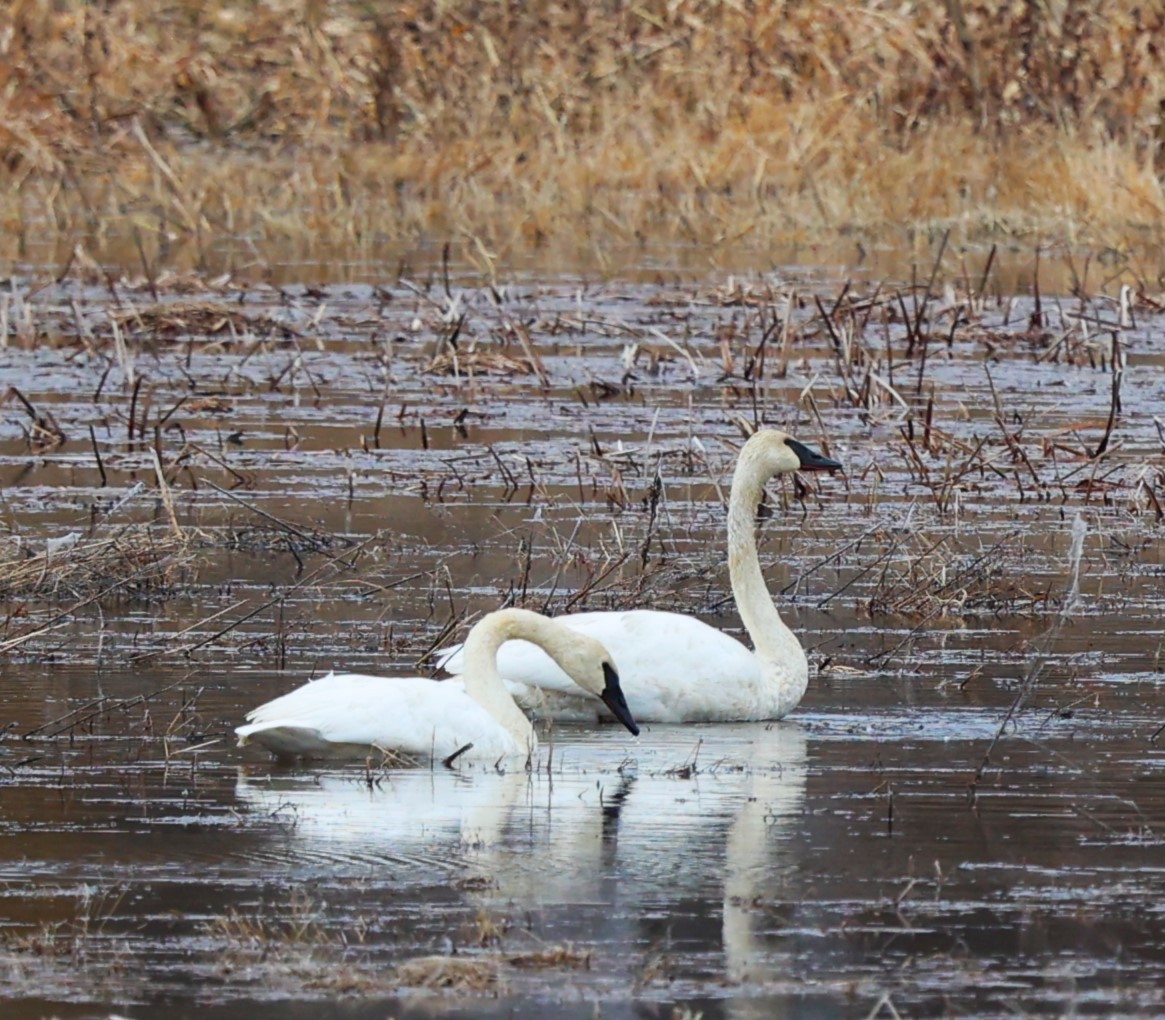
(676, 668)
(348, 714)
(720, 678)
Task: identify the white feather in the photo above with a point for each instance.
(345, 714)
(675, 668)
(342, 714)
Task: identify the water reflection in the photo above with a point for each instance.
(670, 848)
(727, 868)
(766, 880)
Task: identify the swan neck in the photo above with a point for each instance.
(780, 653)
(484, 683)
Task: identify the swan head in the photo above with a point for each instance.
(777, 452)
(589, 665)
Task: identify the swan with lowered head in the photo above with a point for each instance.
(347, 714)
(676, 668)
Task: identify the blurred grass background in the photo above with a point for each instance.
(156, 132)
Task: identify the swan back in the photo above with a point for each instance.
(344, 715)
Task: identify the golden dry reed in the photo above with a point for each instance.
(158, 130)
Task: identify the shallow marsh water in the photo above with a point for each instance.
(874, 853)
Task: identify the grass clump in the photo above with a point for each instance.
(151, 132)
(487, 972)
(450, 973)
(136, 560)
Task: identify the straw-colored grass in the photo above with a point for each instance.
(152, 131)
(132, 560)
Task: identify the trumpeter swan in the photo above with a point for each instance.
(674, 667)
(345, 714)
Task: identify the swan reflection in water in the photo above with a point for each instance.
(696, 824)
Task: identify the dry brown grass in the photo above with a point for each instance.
(486, 972)
(455, 973)
(76, 939)
(183, 320)
(135, 560)
(300, 926)
(151, 131)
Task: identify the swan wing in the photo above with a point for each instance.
(673, 668)
(349, 713)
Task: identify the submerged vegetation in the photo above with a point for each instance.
(152, 133)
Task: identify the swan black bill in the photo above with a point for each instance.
(811, 460)
(613, 698)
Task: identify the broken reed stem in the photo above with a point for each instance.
(79, 716)
(283, 525)
(97, 457)
(167, 498)
(181, 200)
(921, 309)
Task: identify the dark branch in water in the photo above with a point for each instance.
(448, 762)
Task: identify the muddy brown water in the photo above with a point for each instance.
(964, 817)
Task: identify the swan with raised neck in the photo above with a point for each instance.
(778, 652)
(674, 667)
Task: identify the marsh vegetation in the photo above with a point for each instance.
(330, 327)
(214, 489)
(608, 135)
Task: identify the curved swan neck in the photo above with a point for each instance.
(484, 684)
(781, 655)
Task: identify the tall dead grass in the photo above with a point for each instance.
(577, 128)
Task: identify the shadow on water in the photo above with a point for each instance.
(964, 816)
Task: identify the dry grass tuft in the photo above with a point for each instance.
(260, 933)
(76, 939)
(552, 957)
(190, 319)
(482, 973)
(294, 949)
(453, 973)
(148, 131)
(479, 362)
(136, 560)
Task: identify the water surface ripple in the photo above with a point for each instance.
(964, 817)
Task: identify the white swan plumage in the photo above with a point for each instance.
(347, 714)
(675, 668)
